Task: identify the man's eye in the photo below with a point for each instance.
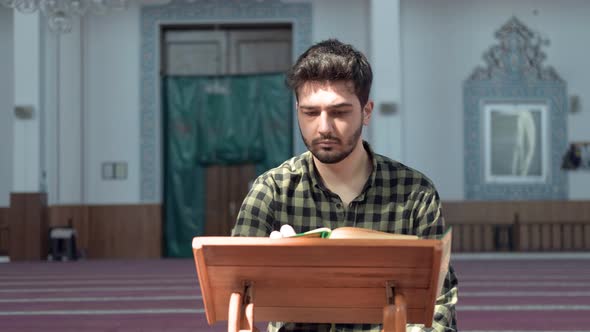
(311, 113)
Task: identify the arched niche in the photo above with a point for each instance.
(515, 121)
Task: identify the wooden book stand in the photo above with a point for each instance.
(310, 280)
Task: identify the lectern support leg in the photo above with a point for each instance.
(241, 311)
(395, 312)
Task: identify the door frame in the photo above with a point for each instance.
(298, 15)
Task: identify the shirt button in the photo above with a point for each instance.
(338, 205)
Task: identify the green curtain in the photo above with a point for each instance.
(221, 120)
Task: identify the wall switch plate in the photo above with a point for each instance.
(388, 108)
(114, 170)
(23, 111)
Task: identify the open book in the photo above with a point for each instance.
(353, 233)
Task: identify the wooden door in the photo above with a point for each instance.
(226, 188)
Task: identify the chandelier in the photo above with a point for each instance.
(59, 13)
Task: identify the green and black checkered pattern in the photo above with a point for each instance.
(395, 199)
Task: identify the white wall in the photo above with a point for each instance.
(111, 83)
(91, 109)
(386, 129)
(347, 20)
(443, 41)
(70, 138)
(6, 104)
(51, 122)
(373, 28)
(27, 92)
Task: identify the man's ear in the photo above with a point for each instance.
(367, 112)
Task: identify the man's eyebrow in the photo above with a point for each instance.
(340, 105)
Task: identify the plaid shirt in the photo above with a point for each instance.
(395, 199)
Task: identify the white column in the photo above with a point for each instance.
(27, 92)
(386, 128)
(70, 138)
(6, 104)
(62, 132)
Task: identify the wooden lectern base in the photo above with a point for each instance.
(394, 315)
(241, 311)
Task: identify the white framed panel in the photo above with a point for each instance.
(515, 142)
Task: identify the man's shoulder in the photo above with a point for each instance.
(292, 169)
(393, 170)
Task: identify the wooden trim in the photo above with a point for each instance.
(113, 231)
(535, 225)
(103, 231)
(28, 226)
(474, 212)
(135, 230)
(125, 231)
(4, 232)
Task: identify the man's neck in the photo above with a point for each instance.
(347, 177)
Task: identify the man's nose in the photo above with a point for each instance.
(325, 125)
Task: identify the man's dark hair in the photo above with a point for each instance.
(332, 60)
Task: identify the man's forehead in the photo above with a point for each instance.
(313, 86)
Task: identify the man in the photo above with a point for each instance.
(340, 181)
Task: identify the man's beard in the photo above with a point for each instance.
(331, 156)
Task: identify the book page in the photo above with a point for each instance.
(364, 233)
(445, 258)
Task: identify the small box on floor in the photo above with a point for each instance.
(62, 244)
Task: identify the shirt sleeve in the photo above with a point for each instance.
(255, 217)
(430, 223)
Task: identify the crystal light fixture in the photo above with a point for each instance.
(59, 13)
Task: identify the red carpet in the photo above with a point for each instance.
(508, 294)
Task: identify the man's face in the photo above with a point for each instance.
(331, 119)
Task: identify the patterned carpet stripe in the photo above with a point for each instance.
(466, 303)
(132, 281)
(528, 307)
(146, 311)
(101, 299)
(97, 289)
(110, 323)
(189, 304)
(81, 275)
(521, 284)
(468, 294)
(523, 320)
(528, 277)
(115, 293)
